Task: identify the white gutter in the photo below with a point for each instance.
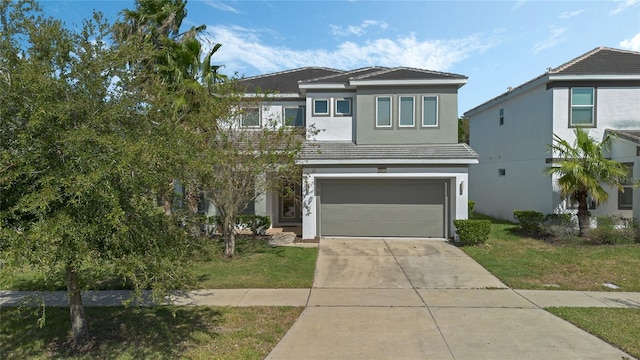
(387, 161)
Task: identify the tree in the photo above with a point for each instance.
(463, 130)
(583, 169)
(247, 161)
(77, 166)
(179, 67)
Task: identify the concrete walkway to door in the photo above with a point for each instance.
(423, 299)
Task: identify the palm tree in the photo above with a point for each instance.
(584, 169)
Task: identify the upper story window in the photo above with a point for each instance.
(429, 111)
(501, 116)
(294, 116)
(383, 111)
(250, 117)
(582, 107)
(320, 107)
(343, 107)
(406, 112)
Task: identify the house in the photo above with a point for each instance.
(599, 90)
(386, 161)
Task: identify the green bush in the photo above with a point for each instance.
(529, 220)
(258, 224)
(612, 230)
(472, 232)
(558, 226)
(470, 206)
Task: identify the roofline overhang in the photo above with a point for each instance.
(389, 162)
(561, 77)
(458, 82)
(531, 84)
(325, 86)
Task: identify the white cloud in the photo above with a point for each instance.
(554, 39)
(243, 51)
(221, 6)
(357, 30)
(623, 5)
(631, 44)
(570, 14)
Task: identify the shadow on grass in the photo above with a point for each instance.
(117, 332)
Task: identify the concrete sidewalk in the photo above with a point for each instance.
(497, 298)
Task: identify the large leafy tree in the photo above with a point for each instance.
(583, 169)
(76, 166)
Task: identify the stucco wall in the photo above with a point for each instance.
(519, 147)
(446, 132)
(331, 127)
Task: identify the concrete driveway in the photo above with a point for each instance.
(423, 299)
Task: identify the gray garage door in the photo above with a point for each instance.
(390, 207)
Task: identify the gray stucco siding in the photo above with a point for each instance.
(445, 132)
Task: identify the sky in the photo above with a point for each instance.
(496, 44)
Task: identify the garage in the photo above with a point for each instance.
(382, 207)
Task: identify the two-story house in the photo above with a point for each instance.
(385, 162)
(599, 90)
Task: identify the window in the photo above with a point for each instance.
(294, 116)
(429, 111)
(625, 199)
(502, 172)
(251, 117)
(383, 111)
(501, 116)
(582, 107)
(320, 107)
(406, 112)
(343, 107)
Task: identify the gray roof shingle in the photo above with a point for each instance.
(285, 82)
(339, 151)
(602, 61)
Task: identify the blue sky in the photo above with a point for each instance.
(497, 44)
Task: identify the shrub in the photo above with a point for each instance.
(470, 206)
(472, 232)
(529, 220)
(258, 224)
(612, 230)
(559, 226)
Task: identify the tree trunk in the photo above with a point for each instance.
(79, 326)
(584, 216)
(229, 239)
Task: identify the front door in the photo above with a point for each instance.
(290, 211)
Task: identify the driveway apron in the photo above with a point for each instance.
(388, 298)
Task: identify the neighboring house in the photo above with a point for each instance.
(599, 90)
(386, 161)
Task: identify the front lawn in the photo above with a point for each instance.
(525, 263)
(149, 333)
(256, 265)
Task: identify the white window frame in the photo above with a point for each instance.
(390, 112)
(349, 100)
(437, 111)
(297, 108)
(413, 111)
(592, 106)
(315, 113)
(244, 113)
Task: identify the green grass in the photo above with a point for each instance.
(149, 333)
(256, 265)
(620, 327)
(526, 263)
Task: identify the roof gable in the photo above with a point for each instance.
(404, 73)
